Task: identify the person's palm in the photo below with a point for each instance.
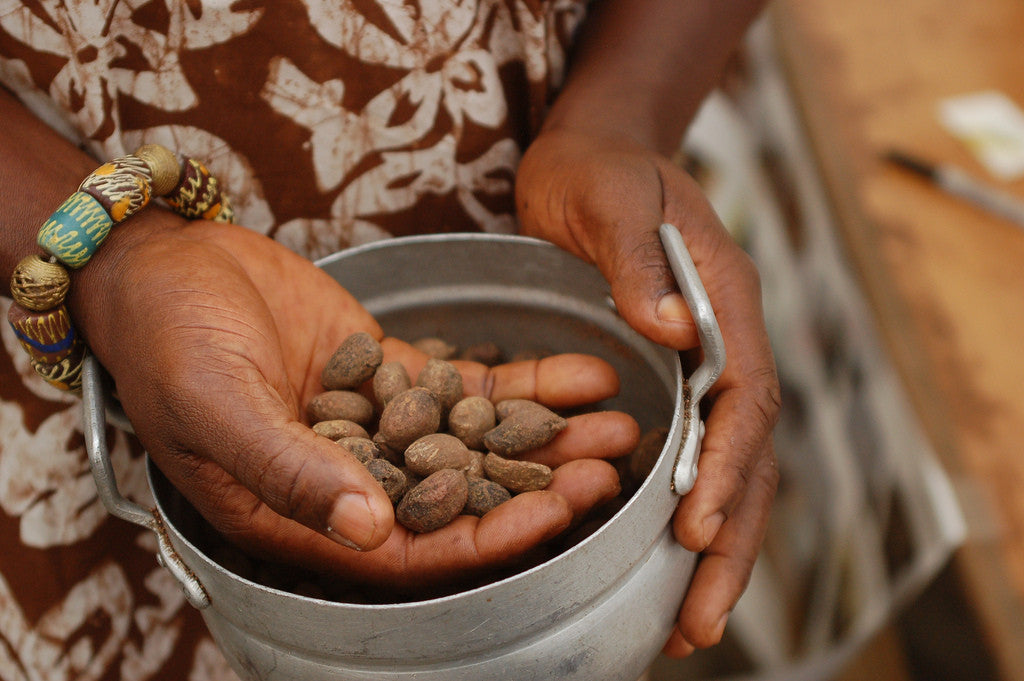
(216, 337)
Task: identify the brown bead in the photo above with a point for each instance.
(38, 284)
(226, 212)
(121, 186)
(65, 374)
(163, 167)
(46, 335)
(197, 194)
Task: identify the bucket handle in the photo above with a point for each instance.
(94, 428)
(684, 474)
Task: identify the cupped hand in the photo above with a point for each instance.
(603, 198)
(215, 338)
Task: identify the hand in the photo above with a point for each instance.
(603, 199)
(215, 337)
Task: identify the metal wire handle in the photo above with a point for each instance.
(684, 475)
(94, 427)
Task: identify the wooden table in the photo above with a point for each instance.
(945, 279)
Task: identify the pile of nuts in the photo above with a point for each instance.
(436, 453)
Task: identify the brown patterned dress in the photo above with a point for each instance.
(332, 123)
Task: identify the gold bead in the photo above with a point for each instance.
(164, 166)
(38, 284)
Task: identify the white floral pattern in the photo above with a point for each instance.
(331, 123)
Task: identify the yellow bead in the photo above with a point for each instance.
(38, 284)
(163, 164)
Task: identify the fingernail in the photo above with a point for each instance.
(672, 308)
(352, 522)
(711, 526)
(720, 627)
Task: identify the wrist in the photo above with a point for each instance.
(97, 289)
(68, 240)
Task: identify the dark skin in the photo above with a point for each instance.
(598, 182)
(214, 334)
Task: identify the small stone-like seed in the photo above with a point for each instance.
(516, 476)
(531, 354)
(442, 379)
(646, 454)
(505, 408)
(470, 418)
(387, 452)
(435, 502)
(436, 451)
(340, 404)
(484, 495)
(435, 347)
(408, 417)
(362, 448)
(389, 380)
(411, 478)
(524, 429)
(390, 477)
(487, 353)
(353, 363)
(339, 428)
(476, 465)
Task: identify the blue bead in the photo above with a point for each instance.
(75, 230)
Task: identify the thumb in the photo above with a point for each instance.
(643, 285)
(295, 472)
(317, 482)
(645, 291)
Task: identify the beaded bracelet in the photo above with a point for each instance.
(113, 192)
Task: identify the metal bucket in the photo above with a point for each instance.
(601, 610)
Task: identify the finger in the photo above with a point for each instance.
(643, 286)
(745, 408)
(559, 381)
(724, 569)
(598, 435)
(469, 544)
(585, 484)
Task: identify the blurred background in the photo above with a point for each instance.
(896, 309)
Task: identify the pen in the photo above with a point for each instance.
(958, 183)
